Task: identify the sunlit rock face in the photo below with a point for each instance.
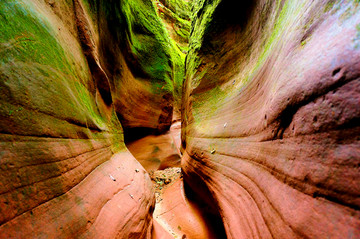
(271, 116)
(69, 70)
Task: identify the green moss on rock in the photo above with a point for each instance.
(41, 76)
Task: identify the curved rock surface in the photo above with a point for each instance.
(157, 152)
(271, 116)
(68, 70)
(143, 64)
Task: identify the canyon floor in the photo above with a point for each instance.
(176, 215)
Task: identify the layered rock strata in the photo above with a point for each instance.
(271, 113)
(69, 70)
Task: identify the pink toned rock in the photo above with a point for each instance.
(175, 132)
(159, 232)
(157, 152)
(64, 169)
(180, 216)
(271, 117)
(106, 202)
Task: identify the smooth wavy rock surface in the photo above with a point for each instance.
(64, 169)
(181, 216)
(157, 152)
(271, 114)
(270, 118)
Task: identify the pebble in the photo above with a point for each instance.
(112, 178)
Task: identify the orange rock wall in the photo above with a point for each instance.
(64, 169)
(271, 117)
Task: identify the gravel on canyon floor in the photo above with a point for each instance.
(163, 179)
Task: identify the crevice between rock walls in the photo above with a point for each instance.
(270, 112)
(85, 35)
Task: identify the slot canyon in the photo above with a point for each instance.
(180, 119)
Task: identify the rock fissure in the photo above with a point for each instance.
(179, 119)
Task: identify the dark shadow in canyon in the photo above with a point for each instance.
(145, 145)
(212, 217)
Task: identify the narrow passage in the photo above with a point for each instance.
(175, 215)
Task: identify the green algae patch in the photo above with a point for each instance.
(26, 37)
(146, 45)
(176, 15)
(40, 76)
(202, 17)
(117, 133)
(357, 37)
(147, 39)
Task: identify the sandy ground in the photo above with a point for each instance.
(163, 179)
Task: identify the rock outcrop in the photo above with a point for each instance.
(143, 64)
(271, 112)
